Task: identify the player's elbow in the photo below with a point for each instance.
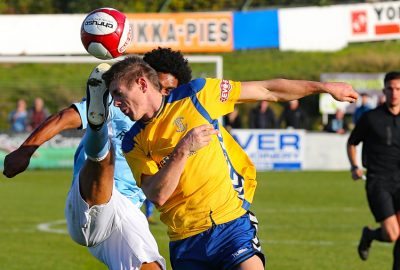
(154, 193)
(159, 200)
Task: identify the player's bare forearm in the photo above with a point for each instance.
(285, 90)
(65, 119)
(159, 187)
(18, 160)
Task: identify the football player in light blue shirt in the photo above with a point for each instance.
(172, 69)
(118, 125)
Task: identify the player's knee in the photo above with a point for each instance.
(393, 237)
(151, 266)
(254, 262)
(392, 234)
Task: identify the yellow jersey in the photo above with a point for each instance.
(218, 181)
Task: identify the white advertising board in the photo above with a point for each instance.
(280, 149)
(312, 28)
(41, 34)
(285, 149)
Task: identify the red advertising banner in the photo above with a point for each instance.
(378, 21)
(187, 32)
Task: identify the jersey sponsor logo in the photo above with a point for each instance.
(180, 125)
(226, 87)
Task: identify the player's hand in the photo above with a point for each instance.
(341, 91)
(198, 137)
(357, 174)
(18, 160)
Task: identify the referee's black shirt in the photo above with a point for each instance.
(379, 130)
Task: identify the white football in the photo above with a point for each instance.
(106, 33)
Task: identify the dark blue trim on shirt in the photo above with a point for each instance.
(186, 90)
(234, 175)
(246, 205)
(128, 142)
(198, 84)
(201, 109)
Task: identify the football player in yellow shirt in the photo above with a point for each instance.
(186, 165)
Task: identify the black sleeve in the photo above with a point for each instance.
(360, 130)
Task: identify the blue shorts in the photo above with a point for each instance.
(223, 246)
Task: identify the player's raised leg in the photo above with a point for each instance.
(86, 214)
(119, 240)
(96, 176)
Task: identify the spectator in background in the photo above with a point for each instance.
(18, 117)
(37, 114)
(232, 120)
(262, 116)
(364, 107)
(338, 123)
(293, 116)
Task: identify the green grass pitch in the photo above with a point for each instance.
(308, 220)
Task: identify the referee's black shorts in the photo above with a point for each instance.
(383, 194)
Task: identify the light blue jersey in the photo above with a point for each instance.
(118, 125)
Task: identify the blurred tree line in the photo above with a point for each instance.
(84, 6)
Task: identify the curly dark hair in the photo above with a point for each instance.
(168, 61)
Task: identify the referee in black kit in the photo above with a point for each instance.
(379, 130)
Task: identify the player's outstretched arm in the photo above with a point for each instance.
(285, 90)
(18, 160)
(159, 187)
